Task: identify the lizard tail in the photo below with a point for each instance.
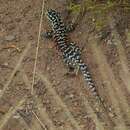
(91, 86)
(88, 78)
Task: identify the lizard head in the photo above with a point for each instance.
(53, 16)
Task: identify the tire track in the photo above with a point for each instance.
(15, 70)
(59, 101)
(11, 111)
(23, 123)
(42, 112)
(125, 70)
(99, 125)
(124, 73)
(112, 85)
(44, 116)
(99, 121)
(35, 124)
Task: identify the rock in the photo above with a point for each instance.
(10, 37)
(5, 64)
(16, 116)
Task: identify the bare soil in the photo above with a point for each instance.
(60, 101)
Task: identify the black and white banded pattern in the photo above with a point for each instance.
(70, 51)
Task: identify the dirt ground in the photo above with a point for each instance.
(60, 101)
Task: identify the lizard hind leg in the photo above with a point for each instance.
(70, 28)
(72, 71)
(48, 34)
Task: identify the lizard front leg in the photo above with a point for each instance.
(48, 34)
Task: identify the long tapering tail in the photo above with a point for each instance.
(88, 78)
(91, 86)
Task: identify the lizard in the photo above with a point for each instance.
(71, 52)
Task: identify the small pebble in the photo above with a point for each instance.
(71, 96)
(5, 64)
(48, 68)
(97, 109)
(111, 114)
(10, 37)
(93, 19)
(16, 116)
